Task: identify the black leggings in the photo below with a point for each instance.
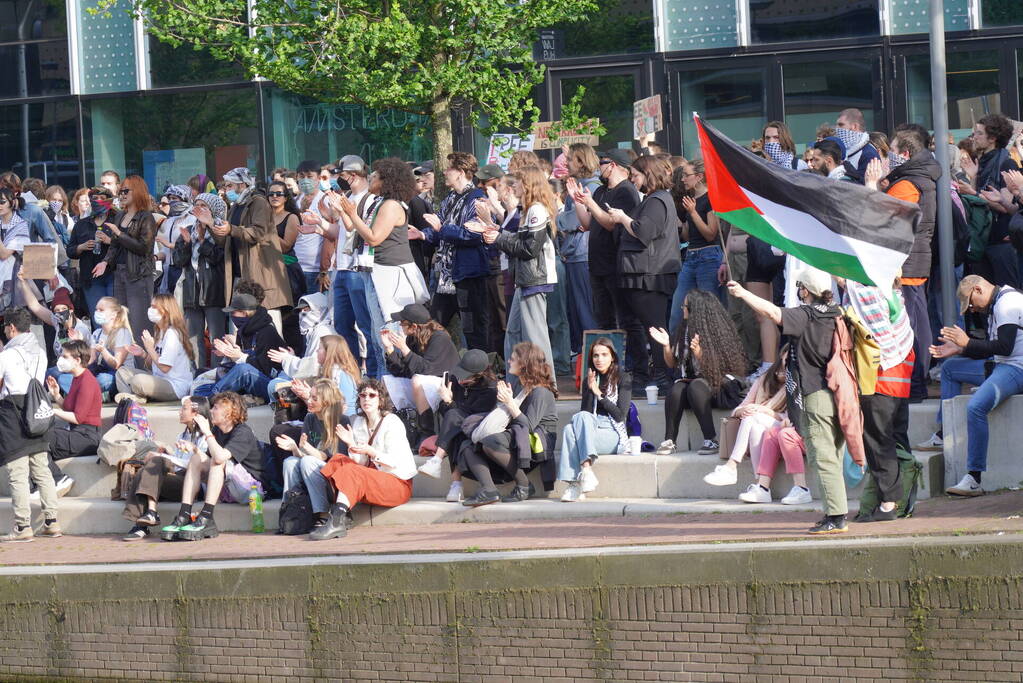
(479, 461)
(695, 395)
(649, 308)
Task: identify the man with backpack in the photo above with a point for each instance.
(22, 369)
(994, 365)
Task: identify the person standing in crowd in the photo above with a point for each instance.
(648, 258)
(40, 229)
(378, 467)
(131, 236)
(21, 361)
(110, 180)
(991, 135)
(1002, 351)
(532, 261)
(421, 204)
(251, 246)
(914, 179)
(15, 233)
(851, 130)
(700, 230)
(776, 141)
(201, 260)
(463, 261)
(491, 179)
(80, 206)
(390, 276)
(57, 210)
(179, 217)
(84, 246)
(583, 168)
(169, 356)
(830, 418)
(599, 426)
(826, 159)
(706, 357)
(290, 230)
(230, 443)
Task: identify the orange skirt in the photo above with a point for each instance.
(362, 484)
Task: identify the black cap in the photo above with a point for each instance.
(621, 157)
(413, 313)
(473, 362)
(489, 172)
(424, 168)
(242, 302)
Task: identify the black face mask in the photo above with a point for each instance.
(239, 321)
(63, 317)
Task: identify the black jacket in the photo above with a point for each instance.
(525, 247)
(84, 231)
(204, 286)
(923, 171)
(439, 356)
(133, 248)
(653, 250)
(258, 336)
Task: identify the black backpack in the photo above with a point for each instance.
(37, 416)
(296, 516)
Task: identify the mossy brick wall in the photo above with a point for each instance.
(926, 611)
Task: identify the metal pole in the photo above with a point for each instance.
(939, 102)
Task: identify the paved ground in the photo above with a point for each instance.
(990, 514)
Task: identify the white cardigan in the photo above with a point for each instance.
(394, 455)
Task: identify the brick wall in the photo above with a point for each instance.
(576, 619)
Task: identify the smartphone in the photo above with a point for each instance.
(607, 207)
(444, 377)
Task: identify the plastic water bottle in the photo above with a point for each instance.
(256, 510)
(98, 247)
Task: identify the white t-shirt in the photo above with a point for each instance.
(172, 353)
(20, 361)
(1008, 310)
(343, 254)
(307, 246)
(122, 337)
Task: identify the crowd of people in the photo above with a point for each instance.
(390, 318)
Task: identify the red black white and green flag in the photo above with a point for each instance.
(841, 228)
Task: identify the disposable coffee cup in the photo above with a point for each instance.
(651, 394)
(635, 445)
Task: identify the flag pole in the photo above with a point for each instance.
(939, 103)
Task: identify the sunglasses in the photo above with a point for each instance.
(369, 394)
(276, 194)
(336, 171)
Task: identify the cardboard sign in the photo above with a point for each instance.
(39, 261)
(647, 117)
(503, 145)
(568, 137)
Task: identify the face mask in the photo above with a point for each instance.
(62, 317)
(779, 156)
(307, 321)
(232, 196)
(178, 207)
(65, 364)
(306, 185)
(334, 185)
(324, 185)
(154, 315)
(101, 318)
(239, 321)
(56, 206)
(895, 160)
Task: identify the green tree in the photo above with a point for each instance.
(422, 56)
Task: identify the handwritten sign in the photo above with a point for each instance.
(569, 137)
(39, 261)
(647, 117)
(504, 145)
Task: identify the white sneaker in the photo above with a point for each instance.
(588, 480)
(755, 494)
(455, 492)
(573, 493)
(666, 448)
(797, 496)
(710, 447)
(967, 486)
(935, 443)
(64, 485)
(433, 467)
(723, 475)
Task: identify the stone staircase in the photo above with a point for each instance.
(629, 484)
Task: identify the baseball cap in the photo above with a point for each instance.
(472, 363)
(814, 281)
(966, 286)
(413, 313)
(424, 168)
(621, 157)
(242, 302)
(489, 172)
(352, 163)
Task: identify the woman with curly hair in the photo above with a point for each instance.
(705, 373)
(381, 248)
(379, 466)
(515, 436)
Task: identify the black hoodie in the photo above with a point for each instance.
(923, 171)
(256, 338)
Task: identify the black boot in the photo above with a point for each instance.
(520, 493)
(427, 426)
(335, 527)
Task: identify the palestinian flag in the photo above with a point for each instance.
(839, 227)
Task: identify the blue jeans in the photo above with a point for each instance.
(1005, 380)
(351, 309)
(308, 469)
(310, 283)
(97, 289)
(271, 386)
(242, 378)
(105, 379)
(699, 271)
(585, 437)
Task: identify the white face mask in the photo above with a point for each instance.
(101, 318)
(65, 364)
(154, 315)
(307, 321)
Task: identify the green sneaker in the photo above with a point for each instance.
(202, 527)
(170, 532)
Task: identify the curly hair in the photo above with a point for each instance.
(464, 162)
(998, 127)
(239, 413)
(246, 286)
(396, 179)
(521, 159)
(534, 371)
(385, 399)
(722, 351)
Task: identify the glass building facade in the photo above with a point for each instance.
(84, 93)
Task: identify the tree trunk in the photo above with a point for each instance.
(443, 143)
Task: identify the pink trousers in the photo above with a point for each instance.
(781, 442)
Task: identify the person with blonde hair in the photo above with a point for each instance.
(168, 354)
(334, 362)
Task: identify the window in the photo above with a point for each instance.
(778, 21)
(1001, 13)
(616, 27)
(183, 65)
(816, 92)
(45, 65)
(973, 90)
(732, 100)
(710, 26)
(609, 98)
(914, 16)
(298, 128)
(22, 20)
(41, 140)
(169, 138)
